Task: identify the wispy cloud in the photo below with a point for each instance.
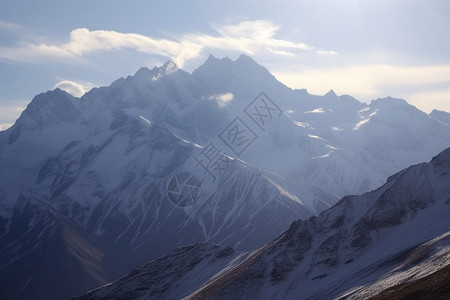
(250, 37)
(8, 26)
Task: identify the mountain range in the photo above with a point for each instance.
(225, 155)
(372, 245)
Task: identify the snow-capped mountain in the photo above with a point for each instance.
(360, 247)
(226, 154)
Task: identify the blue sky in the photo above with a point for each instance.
(365, 48)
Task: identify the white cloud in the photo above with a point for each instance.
(73, 88)
(222, 99)
(250, 37)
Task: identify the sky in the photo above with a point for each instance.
(365, 48)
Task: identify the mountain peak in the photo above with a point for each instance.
(246, 59)
(441, 116)
(389, 100)
(242, 60)
(211, 59)
(395, 104)
(169, 67)
(331, 93)
(157, 72)
(54, 106)
(226, 75)
(143, 72)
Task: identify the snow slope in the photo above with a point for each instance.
(360, 247)
(363, 245)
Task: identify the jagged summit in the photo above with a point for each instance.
(244, 77)
(157, 72)
(214, 60)
(169, 67)
(242, 62)
(242, 59)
